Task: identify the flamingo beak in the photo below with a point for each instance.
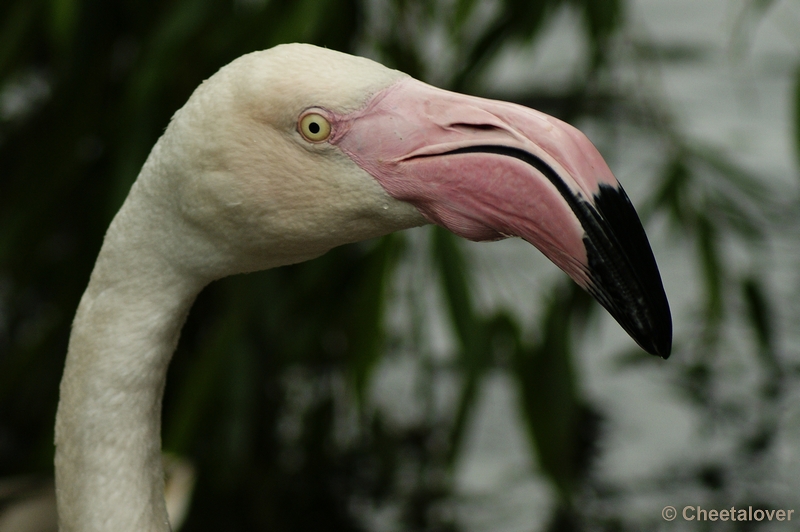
(487, 170)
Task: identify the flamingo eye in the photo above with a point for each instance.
(314, 127)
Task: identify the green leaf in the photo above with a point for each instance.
(602, 19)
(17, 22)
(759, 314)
(63, 19)
(201, 384)
(461, 13)
(797, 113)
(474, 355)
(713, 271)
(452, 267)
(365, 323)
(551, 404)
(671, 192)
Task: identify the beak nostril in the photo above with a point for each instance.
(472, 128)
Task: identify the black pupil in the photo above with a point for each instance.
(313, 127)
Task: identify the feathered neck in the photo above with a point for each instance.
(108, 444)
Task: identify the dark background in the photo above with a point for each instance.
(97, 83)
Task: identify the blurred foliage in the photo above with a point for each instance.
(270, 391)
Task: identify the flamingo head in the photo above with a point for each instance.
(287, 153)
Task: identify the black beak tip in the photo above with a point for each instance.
(648, 322)
(657, 341)
(664, 350)
(625, 276)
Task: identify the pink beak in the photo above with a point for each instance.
(487, 170)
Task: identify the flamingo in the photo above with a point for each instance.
(277, 158)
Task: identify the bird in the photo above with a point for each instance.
(28, 504)
(280, 156)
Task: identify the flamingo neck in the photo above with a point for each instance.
(109, 474)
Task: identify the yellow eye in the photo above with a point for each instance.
(314, 127)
